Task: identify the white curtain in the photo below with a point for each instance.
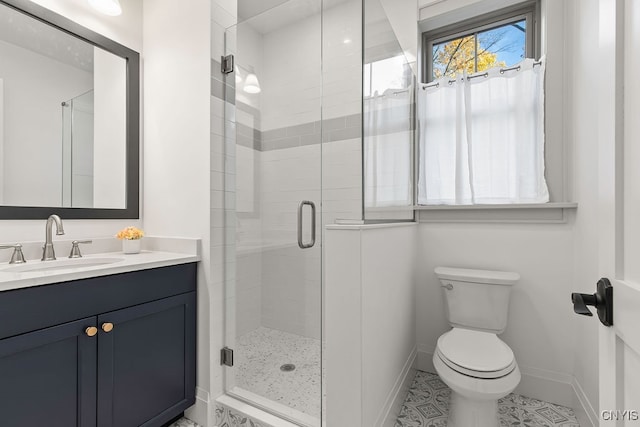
(387, 149)
(482, 139)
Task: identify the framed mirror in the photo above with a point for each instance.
(69, 119)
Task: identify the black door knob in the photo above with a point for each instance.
(602, 300)
(581, 301)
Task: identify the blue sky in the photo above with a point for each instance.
(511, 44)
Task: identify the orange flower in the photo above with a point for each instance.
(130, 233)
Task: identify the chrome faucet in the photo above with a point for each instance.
(48, 254)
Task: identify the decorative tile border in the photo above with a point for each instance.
(310, 133)
(226, 417)
(184, 422)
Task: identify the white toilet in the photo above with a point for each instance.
(477, 365)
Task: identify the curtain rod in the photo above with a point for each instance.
(475, 76)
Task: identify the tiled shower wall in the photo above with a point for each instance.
(308, 96)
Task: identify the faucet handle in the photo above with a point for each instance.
(17, 257)
(75, 248)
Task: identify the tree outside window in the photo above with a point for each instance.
(502, 46)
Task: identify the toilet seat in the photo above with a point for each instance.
(476, 354)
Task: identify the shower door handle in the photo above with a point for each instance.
(313, 224)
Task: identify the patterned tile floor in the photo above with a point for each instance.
(184, 422)
(427, 405)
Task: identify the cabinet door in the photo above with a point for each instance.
(48, 377)
(146, 362)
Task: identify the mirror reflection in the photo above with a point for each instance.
(62, 118)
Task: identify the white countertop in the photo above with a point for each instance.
(65, 270)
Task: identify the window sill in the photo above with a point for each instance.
(554, 212)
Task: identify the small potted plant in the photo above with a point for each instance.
(131, 237)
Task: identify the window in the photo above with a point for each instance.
(388, 133)
(384, 74)
(481, 120)
(500, 39)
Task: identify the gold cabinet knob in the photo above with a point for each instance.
(107, 327)
(91, 331)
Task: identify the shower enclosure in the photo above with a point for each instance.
(294, 125)
(77, 151)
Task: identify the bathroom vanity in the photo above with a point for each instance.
(116, 350)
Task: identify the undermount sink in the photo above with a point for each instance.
(62, 264)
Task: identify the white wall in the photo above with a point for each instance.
(342, 62)
(558, 353)
(583, 24)
(540, 326)
(109, 157)
(323, 80)
(34, 87)
(291, 277)
(341, 180)
(81, 165)
(249, 280)
(248, 181)
(249, 57)
(292, 93)
(320, 73)
(177, 151)
(1, 136)
(126, 29)
(370, 342)
(399, 13)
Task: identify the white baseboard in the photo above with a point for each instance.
(200, 412)
(398, 393)
(424, 361)
(550, 386)
(586, 414)
(554, 387)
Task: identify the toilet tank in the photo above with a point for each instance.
(477, 299)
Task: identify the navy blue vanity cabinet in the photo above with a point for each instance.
(143, 361)
(111, 351)
(48, 377)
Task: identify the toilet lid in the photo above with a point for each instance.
(475, 350)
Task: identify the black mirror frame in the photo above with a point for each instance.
(132, 209)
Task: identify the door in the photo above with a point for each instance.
(145, 362)
(48, 377)
(274, 172)
(619, 212)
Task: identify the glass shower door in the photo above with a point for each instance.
(273, 103)
(77, 151)
(388, 118)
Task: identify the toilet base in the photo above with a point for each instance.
(464, 412)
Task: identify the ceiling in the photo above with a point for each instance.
(23, 31)
(250, 8)
(265, 16)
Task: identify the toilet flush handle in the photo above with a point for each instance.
(448, 286)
